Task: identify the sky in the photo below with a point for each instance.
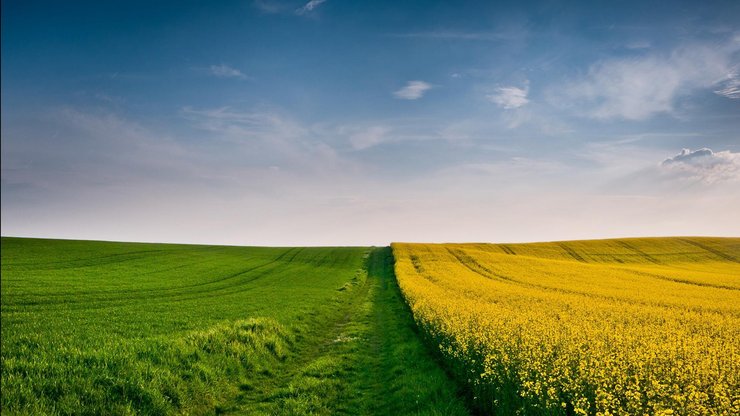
(334, 122)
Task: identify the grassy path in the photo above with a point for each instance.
(93, 327)
(365, 358)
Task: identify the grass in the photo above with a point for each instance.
(628, 326)
(369, 360)
(126, 328)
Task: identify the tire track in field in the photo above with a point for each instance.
(241, 285)
(474, 266)
(485, 272)
(61, 294)
(676, 280)
(76, 263)
(642, 254)
(571, 252)
(653, 260)
(219, 292)
(507, 249)
(185, 287)
(710, 249)
(184, 290)
(177, 249)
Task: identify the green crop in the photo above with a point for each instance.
(97, 328)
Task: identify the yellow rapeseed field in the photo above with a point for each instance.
(605, 327)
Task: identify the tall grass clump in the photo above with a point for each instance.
(191, 374)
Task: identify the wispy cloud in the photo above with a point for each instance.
(110, 99)
(285, 7)
(236, 124)
(369, 137)
(638, 44)
(310, 6)
(265, 137)
(93, 149)
(456, 35)
(509, 98)
(639, 88)
(413, 90)
(225, 71)
(269, 6)
(730, 88)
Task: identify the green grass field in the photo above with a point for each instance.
(102, 328)
(127, 328)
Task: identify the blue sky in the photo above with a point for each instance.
(276, 122)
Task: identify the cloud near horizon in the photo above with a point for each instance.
(704, 165)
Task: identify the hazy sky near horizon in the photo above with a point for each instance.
(329, 122)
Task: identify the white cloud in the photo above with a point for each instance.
(413, 90)
(94, 149)
(688, 156)
(509, 98)
(638, 44)
(310, 6)
(268, 138)
(730, 88)
(226, 120)
(268, 6)
(703, 165)
(225, 71)
(369, 137)
(280, 7)
(455, 35)
(638, 88)
(228, 190)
